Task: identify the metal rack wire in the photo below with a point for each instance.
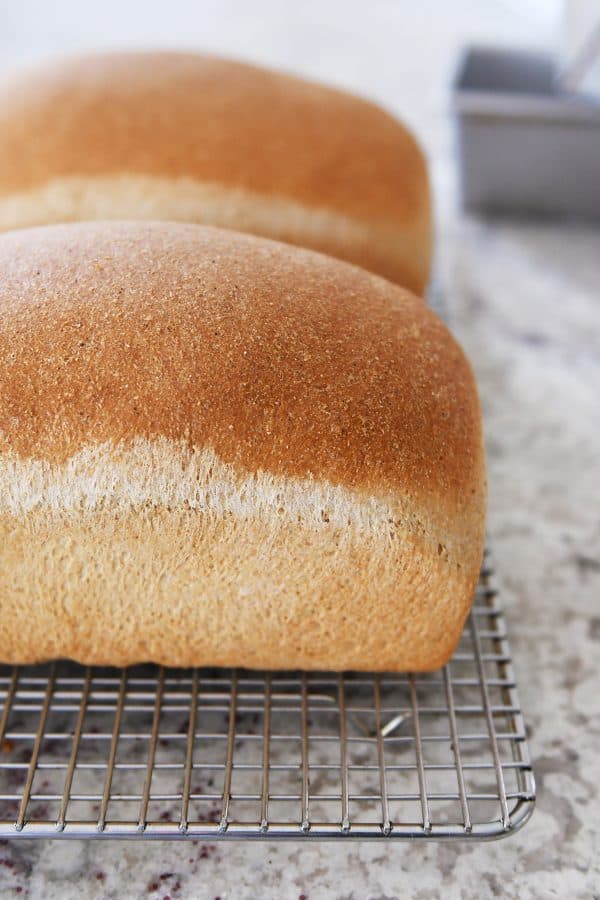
(153, 753)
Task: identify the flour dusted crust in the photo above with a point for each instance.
(200, 139)
(217, 449)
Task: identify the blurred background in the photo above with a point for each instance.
(521, 288)
(405, 56)
(398, 53)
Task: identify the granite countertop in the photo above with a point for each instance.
(525, 301)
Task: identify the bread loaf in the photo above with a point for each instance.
(218, 449)
(199, 139)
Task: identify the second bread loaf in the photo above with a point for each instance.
(199, 139)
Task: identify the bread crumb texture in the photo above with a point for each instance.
(216, 449)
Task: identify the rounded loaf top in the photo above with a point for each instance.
(278, 359)
(197, 138)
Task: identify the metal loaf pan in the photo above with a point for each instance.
(524, 146)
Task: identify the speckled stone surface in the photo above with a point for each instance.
(525, 301)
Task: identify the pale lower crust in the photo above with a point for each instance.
(400, 254)
(155, 551)
(184, 588)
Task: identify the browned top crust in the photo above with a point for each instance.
(278, 358)
(178, 114)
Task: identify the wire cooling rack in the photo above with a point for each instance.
(147, 752)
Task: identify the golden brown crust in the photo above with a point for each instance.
(278, 358)
(170, 115)
(341, 502)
